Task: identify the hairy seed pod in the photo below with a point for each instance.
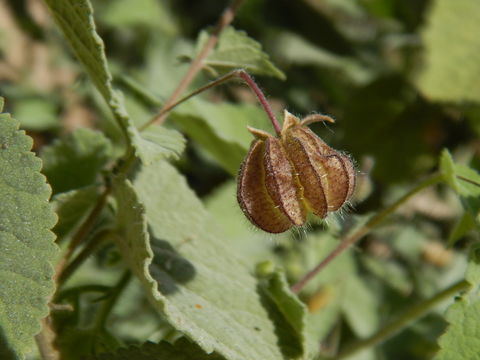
(281, 179)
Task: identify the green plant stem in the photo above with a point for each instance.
(111, 300)
(365, 229)
(242, 74)
(81, 233)
(404, 320)
(88, 250)
(225, 19)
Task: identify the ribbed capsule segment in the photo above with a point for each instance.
(282, 182)
(253, 196)
(308, 176)
(327, 167)
(281, 179)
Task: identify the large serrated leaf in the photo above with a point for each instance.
(75, 18)
(181, 350)
(461, 341)
(236, 50)
(197, 283)
(75, 160)
(452, 60)
(26, 242)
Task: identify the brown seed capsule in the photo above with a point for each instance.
(281, 179)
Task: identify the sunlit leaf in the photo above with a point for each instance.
(26, 242)
(452, 61)
(236, 50)
(461, 341)
(197, 283)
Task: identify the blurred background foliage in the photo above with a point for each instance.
(399, 76)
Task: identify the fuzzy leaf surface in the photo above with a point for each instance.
(26, 242)
(192, 278)
(236, 50)
(452, 61)
(75, 160)
(461, 341)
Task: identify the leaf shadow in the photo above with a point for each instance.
(168, 267)
(288, 342)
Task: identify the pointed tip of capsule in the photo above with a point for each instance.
(289, 120)
(310, 119)
(259, 134)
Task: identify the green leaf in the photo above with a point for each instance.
(236, 50)
(447, 167)
(148, 13)
(26, 242)
(360, 307)
(71, 208)
(465, 224)
(239, 234)
(192, 278)
(180, 350)
(290, 307)
(462, 339)
(452, 61)
(325, 293)
(390, 272)
(296, 50)
(221, 129)
(93, 341)
(2, 103)
(159, 142)
(464, 180)
(77, 23)
(37, 113)
(75, 160)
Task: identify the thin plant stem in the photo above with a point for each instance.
(45, 340)
(111, 300)
(363, 230)
(404, 320)
(242, 74)
(83, 255)
(81, 233)
(225, 19)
